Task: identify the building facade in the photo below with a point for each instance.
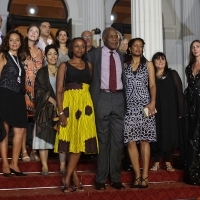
(165, 25)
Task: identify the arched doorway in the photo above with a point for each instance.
(121, 13)
(22, 14)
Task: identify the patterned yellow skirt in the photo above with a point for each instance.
(80, 133)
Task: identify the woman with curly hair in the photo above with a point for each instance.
(12, 101)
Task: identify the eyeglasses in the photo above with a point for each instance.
(87, 37)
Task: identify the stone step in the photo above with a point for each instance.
(87, 178)
(163, 191)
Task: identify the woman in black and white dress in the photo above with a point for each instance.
(140, 94)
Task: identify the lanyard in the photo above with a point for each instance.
(17, 63)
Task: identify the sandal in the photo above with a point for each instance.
(34, 156)
(155, 168)
(138, 181)
(170, 168)
(25, 158)
(79, 188)
(67, 188)
(144, 180)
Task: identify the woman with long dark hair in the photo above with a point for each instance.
(32, 58)
(62, 41)
(192, 99)
(12, 101)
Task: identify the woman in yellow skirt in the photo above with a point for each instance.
(77, 131)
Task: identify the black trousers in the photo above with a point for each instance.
(157, 155)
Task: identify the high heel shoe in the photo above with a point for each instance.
(138, 181)
(144, 180)
(79, 188)
(67, 188)
(17, 173)
(7, 174)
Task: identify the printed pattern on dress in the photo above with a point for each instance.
(137, 127)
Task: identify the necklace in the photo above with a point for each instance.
(18, 65)
(53, 71)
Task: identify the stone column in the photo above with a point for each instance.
(94, 16)
(4, 14)
(146, 20)
(190, 26)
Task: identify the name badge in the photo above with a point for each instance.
(19, 80)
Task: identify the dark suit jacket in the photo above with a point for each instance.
(94, 56)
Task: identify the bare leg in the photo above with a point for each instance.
(134, 157)
(62, 158)
(33, 155)
(25, 156)
(145, 153)
(44, 158)
(75, 177)
(72, 163)
(4, 151)
(17, 144)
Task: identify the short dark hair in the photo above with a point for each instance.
(48, 47)
(104, 34)
(70, 49)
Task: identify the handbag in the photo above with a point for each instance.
(146, 111)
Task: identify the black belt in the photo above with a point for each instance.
(108, 91)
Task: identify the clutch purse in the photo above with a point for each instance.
(146, 112)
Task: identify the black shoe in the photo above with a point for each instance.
(138, 181)
(128, 168)
(117, 185)
(144, 180)
(17, 173)
(100, 186)
(7, 174)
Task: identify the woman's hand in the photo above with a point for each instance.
(151, 107)
(63, 120)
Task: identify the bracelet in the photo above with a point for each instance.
(61, 113)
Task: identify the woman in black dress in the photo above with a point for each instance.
(12, 101)
(192, 99)
(170, 108)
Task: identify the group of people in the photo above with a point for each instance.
(82, 99)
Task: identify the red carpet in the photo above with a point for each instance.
(163, 185)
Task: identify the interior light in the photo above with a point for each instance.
(32, 11)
